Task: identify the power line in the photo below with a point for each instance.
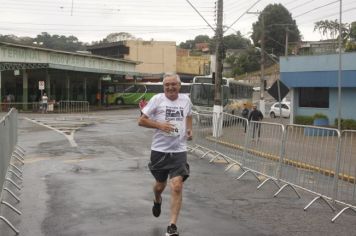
(302, 4)
(317, 8)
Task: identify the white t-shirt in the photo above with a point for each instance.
(44, 99)
(161, 109)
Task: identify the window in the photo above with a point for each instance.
(314, 97)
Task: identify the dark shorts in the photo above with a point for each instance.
(172, 164)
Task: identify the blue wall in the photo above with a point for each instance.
(348, 105)
(319, 78)
(322, 71)
(317, 63)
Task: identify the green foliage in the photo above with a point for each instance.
(350, 47)
(353, 31)
(247, 61)
(277, 19)
(319, 116)
(190, 44)
(331, 28)
(349, 124)
(304, 120)
(57, 42)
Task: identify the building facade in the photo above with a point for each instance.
(313, 81)
(191, 64)
(154, 57)
(66, 75)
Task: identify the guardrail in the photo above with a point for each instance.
(11, 160)
(319, 160)
(20, 106)
(56, 107)
(73, 106)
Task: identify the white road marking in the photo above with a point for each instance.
(70, 136)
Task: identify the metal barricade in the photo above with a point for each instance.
(263, 150)
(345, 193)
(230, 144)
(309, 161)
(73, 106)
(20, 106)
(10, 155)
(202, 131)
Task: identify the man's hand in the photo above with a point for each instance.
(189, 134)
(166, 127)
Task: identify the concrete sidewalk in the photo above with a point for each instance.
(103, 187)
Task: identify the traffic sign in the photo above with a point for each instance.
(273, 90)
(41, 85)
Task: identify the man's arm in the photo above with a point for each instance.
(189, 127)
(145, 121)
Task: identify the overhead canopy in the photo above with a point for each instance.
(13, 57)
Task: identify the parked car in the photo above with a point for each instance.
(275, 111)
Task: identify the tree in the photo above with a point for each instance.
(58, 42)
(330, 29)
(190, 44)
(232, 41)
(247, 61)
(277, 20)
(353, 31)
(115, 37)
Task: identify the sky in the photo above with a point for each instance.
(160, 20)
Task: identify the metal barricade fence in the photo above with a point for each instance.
(346, 181)
(73, 106)
(9, 151)
(263, 150)
(20, 106)
(202, 131)
(231, 141)
(309, 160)
(315, 159)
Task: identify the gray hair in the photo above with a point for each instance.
(171, 74)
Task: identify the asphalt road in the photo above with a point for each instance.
(101, 186)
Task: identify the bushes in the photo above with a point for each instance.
(319, 116)
(304, 120)
(347, 124)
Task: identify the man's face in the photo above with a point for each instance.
(171, 87)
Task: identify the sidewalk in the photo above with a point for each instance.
(103, 187)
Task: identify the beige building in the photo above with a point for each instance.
(155, 57)
(194, 65)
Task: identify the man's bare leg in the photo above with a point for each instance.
(158, 188)
(176, 184)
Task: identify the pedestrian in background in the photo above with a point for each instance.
(170, 114)
(255, 115)
(142, 104)
(244, 114)
(44, 103)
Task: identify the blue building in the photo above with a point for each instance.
(313, 81)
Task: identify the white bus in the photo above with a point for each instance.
(234, 94)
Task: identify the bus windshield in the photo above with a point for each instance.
(202, 93)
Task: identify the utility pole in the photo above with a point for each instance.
(218, 54)
(218, 108)
(262, 82)
(262, 79)
(286, 49)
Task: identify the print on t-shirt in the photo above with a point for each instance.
(175, 116)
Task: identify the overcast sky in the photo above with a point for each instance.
(172, 20)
